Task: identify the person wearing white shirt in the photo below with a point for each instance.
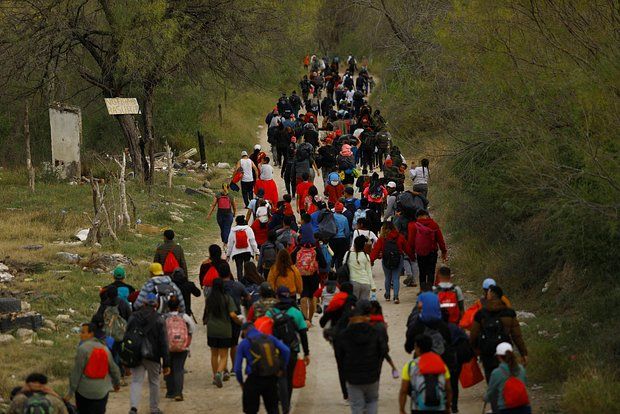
(247, 181)
(420, 176)
(241, 244)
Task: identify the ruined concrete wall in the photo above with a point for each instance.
(66, 131)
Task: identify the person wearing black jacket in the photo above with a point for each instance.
(150, 321)
(187, 288)
(426, 319)
(361, 348)
(295, 102)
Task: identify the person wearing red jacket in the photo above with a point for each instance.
(424, 239)
(390, 248)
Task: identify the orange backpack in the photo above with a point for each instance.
(170, 263)
(97, 366)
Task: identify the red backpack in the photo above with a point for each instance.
(425, 242)
(449, 300)
(515, 394)
(223, 202)
(97, 366)
(170, 263)
(306, 261)
(178, 333)
(210, 276)
(241, 239)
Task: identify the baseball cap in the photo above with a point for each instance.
(488, 282)
(284, 294)
(503, 348)
(151, 299)
(339, 207)
(257, 146)
(391, 184)
(119, 272)
(156, 270)
(260, 193)
(244, 153)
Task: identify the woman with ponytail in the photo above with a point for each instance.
(420, 176)
(507, 392)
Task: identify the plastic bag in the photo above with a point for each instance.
(299, 374)
(470, 374)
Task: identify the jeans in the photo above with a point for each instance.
(421, 188)
(340, 247)
(361, 290)
(137, 378)
(285, 384)
(410, 268)
(363, 398)
(254, 387)
(427, 265)
(455, 373)
(174, 381)
(85, 405)
(392, 277)
(240, 259)
(247, 191)
(224, 220)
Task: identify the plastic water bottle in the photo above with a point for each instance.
(373, 296)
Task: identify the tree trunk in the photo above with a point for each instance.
(125, 219)
(149, 130)
(170, 163)
(29, 166)
(132, 134)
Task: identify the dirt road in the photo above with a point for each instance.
(322, 391)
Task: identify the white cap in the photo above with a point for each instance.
(391, 184)
(244, 153)
(503, 348)
(257, 146)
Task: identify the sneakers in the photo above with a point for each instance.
(179, 398)
(387, 296)
(396, 301)
(133, 410)
(226, 375)
(217, 380)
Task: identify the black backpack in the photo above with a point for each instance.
(265, 357)
(164, 292)
(269, 255)
(492, 332)
(37, 403)
(135, 344)
(284, 328)
(391, 255)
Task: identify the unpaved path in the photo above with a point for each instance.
(322, 391)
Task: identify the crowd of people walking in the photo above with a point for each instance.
(303, 259)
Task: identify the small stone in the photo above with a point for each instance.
(176, 219)
(63, 318)
(97, 245)
(521, 323)
(6, 277)
(206, 184)
(24, 333)
(28, 279)
(47, 330)
(45, 342)
(3, 267)
(26, 306)
(223, 165)
(33, 247)
(76, 330)
(4, 338)
(545, 288)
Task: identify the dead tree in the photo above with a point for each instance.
(124, 218)
(29, 166)
(169, 156)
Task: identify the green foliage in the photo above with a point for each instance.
(591, 391)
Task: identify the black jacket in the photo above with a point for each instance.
(124, 309)
(148, 316)
(187, 289)
(361, 348)
(416, 327)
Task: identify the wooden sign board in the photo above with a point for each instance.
(122, 106)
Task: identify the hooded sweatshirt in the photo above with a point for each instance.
(150, 287)
(508, 318)
(413, 230)
(186, 287)
(361, 348)
(429, 318)
(156, 334)
(377, 249)
(232, 249)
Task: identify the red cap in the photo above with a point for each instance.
(339, 207)
(389, 163)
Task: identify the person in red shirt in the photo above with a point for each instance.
(390, 248)
(424, 239)
(302, 190)
(334, 189)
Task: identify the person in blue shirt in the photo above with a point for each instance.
(341, 241)
(315, 216)
(254, 385)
